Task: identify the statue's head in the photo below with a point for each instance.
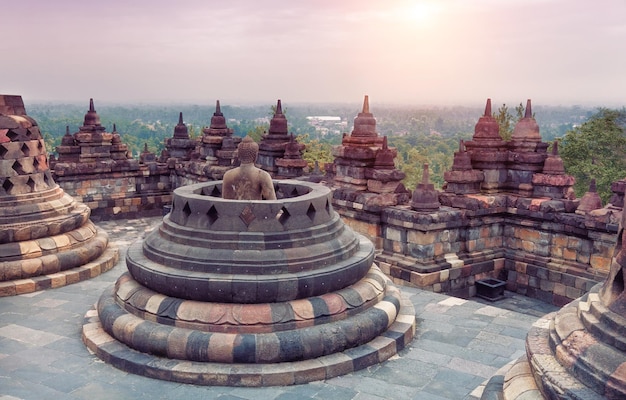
(248, 150)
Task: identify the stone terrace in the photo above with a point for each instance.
(459, 345)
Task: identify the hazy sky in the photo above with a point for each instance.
(442, 52)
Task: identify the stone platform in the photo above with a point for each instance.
(250, 350)
(250, 293)
(462, 341)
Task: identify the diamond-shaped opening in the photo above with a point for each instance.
(46, 179)
(212, 215)
(187, 210)
(294, 192)
(12, 134)
(283, 215)
(310, 212)
(36, 164)
(17, 167)
(31, 184)
(247, 215)
(3, 151)
(40, 146)
(327, 207)
(215, 192)
(25, 149)
(7, 185)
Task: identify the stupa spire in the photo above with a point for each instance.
(279, 107)
(425, 198)
(180, 130)
(527, 129)
(218, 110)
(425, 176)
(92, 119)
(366, 105)
(488, 108)
(555, 148)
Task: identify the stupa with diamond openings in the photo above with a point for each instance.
(46, 237)
(250, 293)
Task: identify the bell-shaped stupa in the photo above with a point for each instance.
(250, 292)
(46, 237)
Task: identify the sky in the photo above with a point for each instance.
(418, 52)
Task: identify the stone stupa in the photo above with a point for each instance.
(46, 237)
(250, 292)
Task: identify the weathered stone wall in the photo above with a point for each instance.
(555, 256)
(557, 261)
(120, 195)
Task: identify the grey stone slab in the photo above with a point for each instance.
(44, 356)
(28, 335)
(492, 348)
(428, 396)
(518, 333)
(435, 325)
(11, 347)
(456, 351)
(410, 374)
(30, 390)
(428, 357)
(34, 373)
(471, 322)
(71, 346)
(256, 393)
(452, 384)
(336, 392)
(101, 391)
(72, 364)
(471, 367)
(459, 337)
(8, 364)
(65, 382)
(308, 391)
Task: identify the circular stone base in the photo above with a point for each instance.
(107, 260)
(107, 348)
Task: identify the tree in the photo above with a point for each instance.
(596, 150)
(257, 133)
(505, 120)
(411, 164)
(315, 150)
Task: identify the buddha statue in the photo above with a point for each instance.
(247, 182)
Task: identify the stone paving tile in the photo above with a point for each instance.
(459, 342)
(28, 335)
(471, 367)
(451, 384)
(433, 358)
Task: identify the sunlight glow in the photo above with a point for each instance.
(421, 13)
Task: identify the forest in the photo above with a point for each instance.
(420, 134)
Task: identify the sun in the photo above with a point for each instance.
(418, 12)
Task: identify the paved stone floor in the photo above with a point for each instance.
(459, 344)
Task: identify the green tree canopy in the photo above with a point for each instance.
(596, 150)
